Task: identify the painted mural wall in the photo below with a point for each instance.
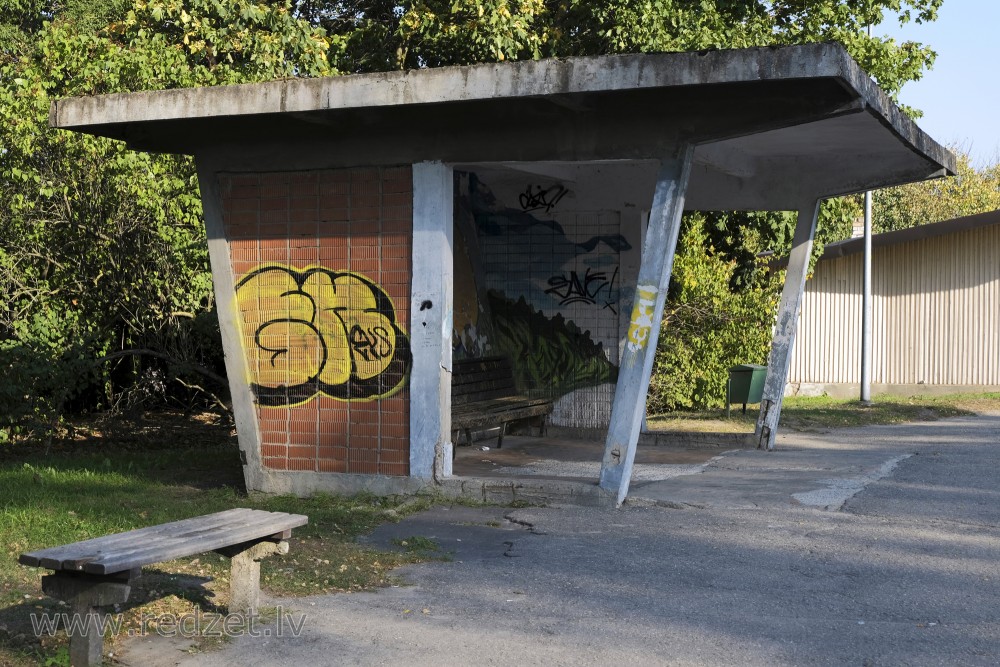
(540, 283)
(322, 264)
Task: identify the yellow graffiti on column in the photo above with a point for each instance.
(315, 331)
(642, 319)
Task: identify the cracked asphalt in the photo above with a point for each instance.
(873, 546)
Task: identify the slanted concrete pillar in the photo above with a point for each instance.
(629, 406)
(784, 331)
(431, 314)
(237, 367)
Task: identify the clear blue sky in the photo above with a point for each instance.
(960, 97)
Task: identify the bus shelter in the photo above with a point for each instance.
(366, 231)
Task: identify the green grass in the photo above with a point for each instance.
(820, 413)
(119, 477)
(423, 547)
(89, 488)
(823, 413)
(709, 421)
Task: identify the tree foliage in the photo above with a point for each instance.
(376, 34)
(971, 191)
(708, 326)
(103, 249)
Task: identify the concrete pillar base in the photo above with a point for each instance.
(244, 579)
(84, 593)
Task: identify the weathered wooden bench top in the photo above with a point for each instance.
(155, 544)
(99, 572)
(495, 409)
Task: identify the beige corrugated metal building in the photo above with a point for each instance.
(936, 313)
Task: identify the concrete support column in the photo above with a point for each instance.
(431, 315)
(784, 332)
(237, 369)
(629, 406)
(244, 579)
(85, 594)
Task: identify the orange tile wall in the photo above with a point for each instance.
(347, 220)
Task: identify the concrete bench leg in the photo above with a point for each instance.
(84, 594)
(244, 578)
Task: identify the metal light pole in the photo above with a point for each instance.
(866, 307)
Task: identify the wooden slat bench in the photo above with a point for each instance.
(483, 395)
(99, 572)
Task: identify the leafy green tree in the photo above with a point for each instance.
(680, 25)
(707, 326)
(103, 252)
(377, 34)
(971, 191)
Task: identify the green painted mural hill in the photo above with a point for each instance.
(552, 357)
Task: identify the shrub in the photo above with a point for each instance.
(708, 325)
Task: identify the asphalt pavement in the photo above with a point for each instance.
(869, 546)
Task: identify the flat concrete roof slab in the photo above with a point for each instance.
(772, 126)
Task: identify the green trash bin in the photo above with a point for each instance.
(745, 385)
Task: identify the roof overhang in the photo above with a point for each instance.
(772, 126)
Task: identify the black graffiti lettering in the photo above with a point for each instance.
(609, 304)
(542, 199)
(572, 288)
(371, 345)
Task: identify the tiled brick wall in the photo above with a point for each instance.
(322, 262)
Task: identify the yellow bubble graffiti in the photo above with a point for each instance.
(315, 331)
(642, 318)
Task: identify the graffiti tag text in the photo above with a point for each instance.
(573, 288)
(541, 199)
(642, 318)
(316, 331)
(372, 344)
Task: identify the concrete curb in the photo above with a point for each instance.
(528, 491)
(696, 440)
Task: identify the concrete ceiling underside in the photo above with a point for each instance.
(773, 127)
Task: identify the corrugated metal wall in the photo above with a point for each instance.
(936, 307)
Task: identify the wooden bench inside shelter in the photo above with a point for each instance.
(99, 572)
(484, 395)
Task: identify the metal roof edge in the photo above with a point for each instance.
(931, 230)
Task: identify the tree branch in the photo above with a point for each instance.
(218, 401)
(135, 352)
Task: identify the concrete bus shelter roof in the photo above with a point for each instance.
(773, 127)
